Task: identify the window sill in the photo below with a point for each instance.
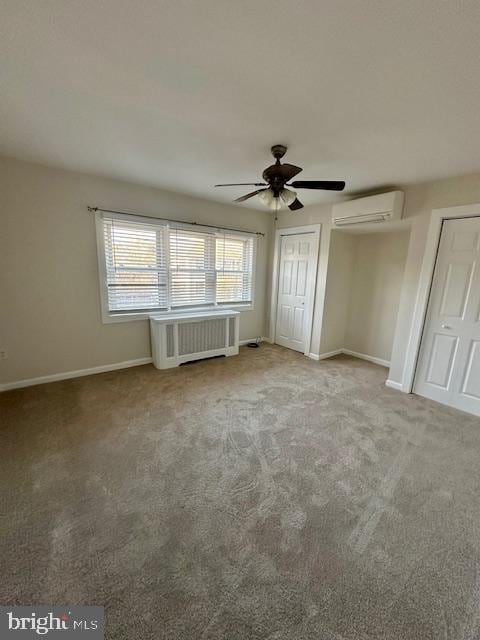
(110, 318)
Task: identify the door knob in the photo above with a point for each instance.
(446, 326)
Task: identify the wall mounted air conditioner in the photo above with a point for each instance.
(384, 207)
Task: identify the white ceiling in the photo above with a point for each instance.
(185, 94)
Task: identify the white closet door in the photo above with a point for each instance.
(449, 362)
(295, 295)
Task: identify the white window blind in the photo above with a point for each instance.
(136, 266)
(157, 266)
(192, 268)
(233, 266)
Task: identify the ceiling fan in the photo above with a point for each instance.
(276, 176)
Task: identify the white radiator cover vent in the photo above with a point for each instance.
(197, 337)
(182, 337)
(383, 207)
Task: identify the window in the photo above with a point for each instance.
(149, 266)
(192, 275)
(136, 273)
(233, 269)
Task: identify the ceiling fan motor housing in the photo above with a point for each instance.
(278, 151)
(273, 174)
(274, 177)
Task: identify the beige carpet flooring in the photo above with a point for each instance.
(263, 496)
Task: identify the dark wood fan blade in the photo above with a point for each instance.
(328, 185)
(282, 172)
(296, 204)
(289, 171)
(242, 184)
(249, 195)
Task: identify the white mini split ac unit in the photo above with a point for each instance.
(384, 207)
(182, 337)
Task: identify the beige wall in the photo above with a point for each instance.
(364, 282)
(49, 298)
(338, 291)
(376, 284)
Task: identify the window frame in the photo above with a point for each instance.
(109, 316)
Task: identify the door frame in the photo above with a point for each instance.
(425, 285)
(279, 234)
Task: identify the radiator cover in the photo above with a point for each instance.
(181, 337)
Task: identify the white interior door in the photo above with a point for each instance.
(449, 361)
(295, 290)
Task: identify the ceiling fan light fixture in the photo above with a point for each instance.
(288, 196)
(268, 199)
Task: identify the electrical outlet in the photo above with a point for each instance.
(3, 354)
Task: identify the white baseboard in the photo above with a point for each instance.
(67, 375)
(324, 356)
(364, 356)
(349, 352)
(394, 385)
(244, 342)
